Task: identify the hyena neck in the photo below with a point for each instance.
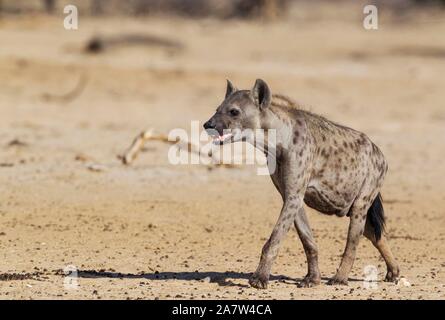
(277, 128)
(278, 115)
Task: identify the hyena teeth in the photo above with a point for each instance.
(222, 138)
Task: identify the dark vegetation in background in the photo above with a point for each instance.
(268, 9)
(192, 8)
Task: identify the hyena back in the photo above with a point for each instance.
(331, 168)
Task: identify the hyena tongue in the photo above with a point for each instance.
(224, 136)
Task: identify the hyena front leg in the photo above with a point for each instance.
(357, 222)
(270, 250)
(310, 248)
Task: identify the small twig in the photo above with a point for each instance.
(17, 143)
(71, 95)
(392, 201)
(405, 238)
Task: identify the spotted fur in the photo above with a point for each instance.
(329, 167)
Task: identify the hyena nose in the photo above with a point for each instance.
(209, 125)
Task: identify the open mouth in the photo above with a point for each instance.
(221, 139)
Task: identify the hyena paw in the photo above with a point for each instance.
(258, 281)
(392, 275)
(309, 281)
(336, 281)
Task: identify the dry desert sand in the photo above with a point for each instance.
(154, 230)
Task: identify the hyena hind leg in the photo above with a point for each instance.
(374, 231)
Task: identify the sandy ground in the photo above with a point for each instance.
(154, 230)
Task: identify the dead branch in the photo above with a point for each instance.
(101, 43)
(148, 135)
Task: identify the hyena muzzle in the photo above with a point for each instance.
(331, 168)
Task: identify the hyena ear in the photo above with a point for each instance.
(261, 94)
(230, 88)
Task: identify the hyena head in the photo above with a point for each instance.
(239, 114)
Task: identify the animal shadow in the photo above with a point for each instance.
(221, 278)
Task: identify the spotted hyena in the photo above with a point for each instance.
(331, 168)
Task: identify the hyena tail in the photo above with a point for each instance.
(376, 217)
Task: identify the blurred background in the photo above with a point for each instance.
(71, 101)
(195, 8)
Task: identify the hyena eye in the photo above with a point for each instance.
(234, 112)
